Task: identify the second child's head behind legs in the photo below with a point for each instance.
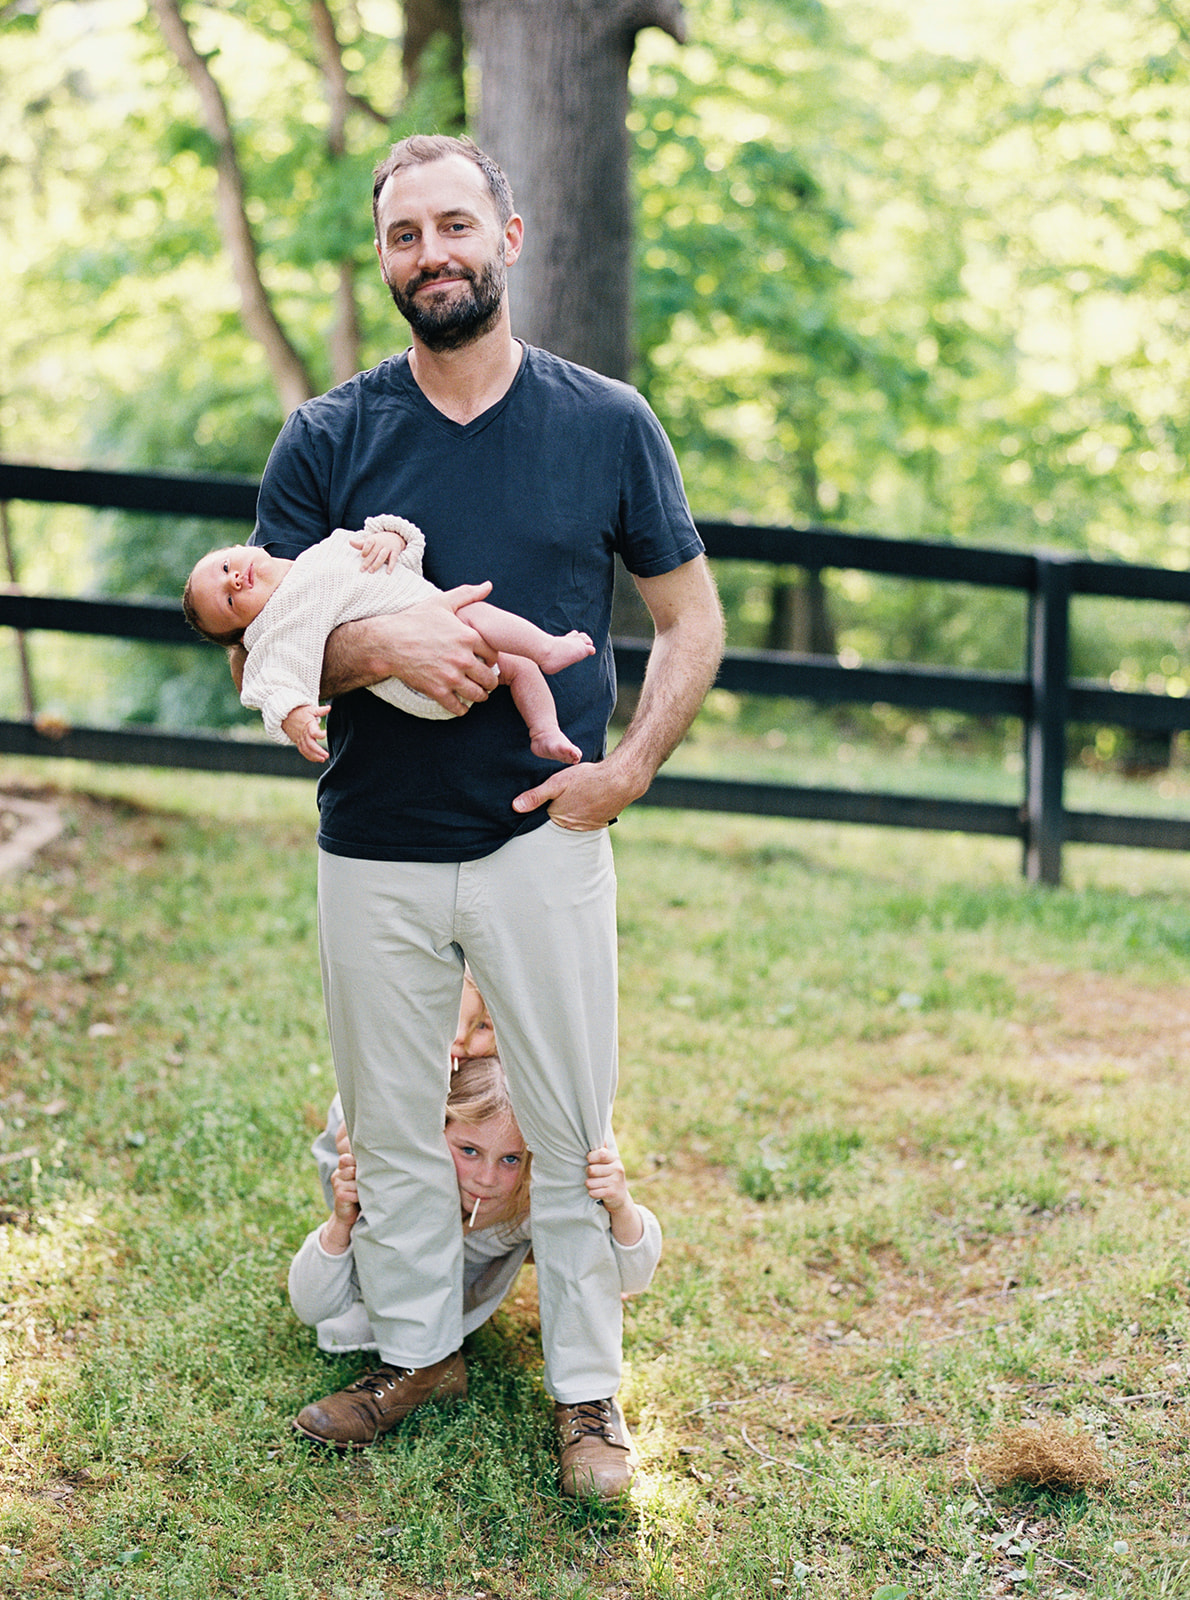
(485, 1143)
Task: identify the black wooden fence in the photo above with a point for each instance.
(1042, 696)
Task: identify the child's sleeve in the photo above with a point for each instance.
(284, 665)
(321, 1285)
(414, 552)
(638, 1262)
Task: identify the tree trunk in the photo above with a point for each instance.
(290, 373)
(425, 21)
(345, 331)
(553, 103)
(799, 618)
(553, 110)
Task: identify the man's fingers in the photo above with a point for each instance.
(466, 594)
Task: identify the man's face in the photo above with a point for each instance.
(443, 252)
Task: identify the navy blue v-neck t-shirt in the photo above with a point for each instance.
(538, 494)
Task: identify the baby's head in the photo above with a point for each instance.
(489, 1154)
(226, 591)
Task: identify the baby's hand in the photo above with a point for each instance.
(379, 549)
(606, 1179)
(303, 727)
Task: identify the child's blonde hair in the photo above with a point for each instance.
(479, 1093)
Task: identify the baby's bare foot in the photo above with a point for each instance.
(551, 744)
(565, 650)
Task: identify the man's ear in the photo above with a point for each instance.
(514, 238)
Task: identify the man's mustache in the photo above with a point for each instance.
(432, 277)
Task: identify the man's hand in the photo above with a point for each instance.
(581, 798)
(428, 647)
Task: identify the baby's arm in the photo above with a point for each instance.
(303, 727)
(532, 697)
(386, 540)
(608, 1182)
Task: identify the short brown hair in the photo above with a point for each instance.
(420, 149)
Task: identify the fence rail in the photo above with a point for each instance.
(1042, 697)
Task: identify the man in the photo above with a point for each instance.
(440, 840)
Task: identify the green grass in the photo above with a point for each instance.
(915, 1133)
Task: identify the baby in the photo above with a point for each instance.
(282, 611)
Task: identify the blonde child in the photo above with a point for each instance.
(492, 1167)
(283, 610)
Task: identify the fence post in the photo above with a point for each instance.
(1045, 730)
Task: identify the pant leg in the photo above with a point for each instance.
(537, 922)
(391, 981)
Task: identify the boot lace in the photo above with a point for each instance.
(591, 1419)
(380, 1381)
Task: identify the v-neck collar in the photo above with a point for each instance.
(461, 430)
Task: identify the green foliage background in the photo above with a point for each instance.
(901, 266)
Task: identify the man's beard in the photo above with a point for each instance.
(448, 322)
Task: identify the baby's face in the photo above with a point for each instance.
(229, 587)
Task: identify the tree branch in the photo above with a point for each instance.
(290, 374)
(345, 333)
(668, 15)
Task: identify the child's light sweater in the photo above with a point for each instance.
(324, 1289)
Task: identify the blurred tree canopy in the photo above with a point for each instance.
(900, 265)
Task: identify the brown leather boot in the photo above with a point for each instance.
(598, 1455)
(367, 1409)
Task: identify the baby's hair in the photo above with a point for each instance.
(190, 611)
(479, 1092)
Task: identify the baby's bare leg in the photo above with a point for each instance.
(504, 630)
(532, 697)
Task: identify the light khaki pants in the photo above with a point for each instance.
(536, 922)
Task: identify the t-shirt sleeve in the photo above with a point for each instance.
(292, 510)
(657, 528)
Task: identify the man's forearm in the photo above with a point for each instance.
(428, 646)
(357, 655)
(682, 665)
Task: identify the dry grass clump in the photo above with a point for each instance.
(1045, 1456)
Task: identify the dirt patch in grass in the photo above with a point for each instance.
(1096, 1016)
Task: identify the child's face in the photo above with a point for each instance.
(488, 1158)
(229, 587)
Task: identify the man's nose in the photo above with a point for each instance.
(434, 251)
